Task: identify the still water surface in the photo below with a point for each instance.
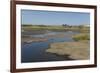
(36, 51)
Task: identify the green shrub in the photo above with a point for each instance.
(81, 37)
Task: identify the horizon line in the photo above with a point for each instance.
(55, 24)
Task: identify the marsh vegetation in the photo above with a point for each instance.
(54, 42)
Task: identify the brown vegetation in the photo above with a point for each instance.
(75, 50)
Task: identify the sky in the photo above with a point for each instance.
(38, 17)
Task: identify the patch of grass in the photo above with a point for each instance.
(81, 37)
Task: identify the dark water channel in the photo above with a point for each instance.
(36, 51)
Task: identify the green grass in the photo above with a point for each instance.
(81, 37)
(44, 27)
(59, 27)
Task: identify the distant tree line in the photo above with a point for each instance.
(66, 25)
(70, 26)
(42, 25)
(27, 25)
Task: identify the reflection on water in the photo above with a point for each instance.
(35, 51)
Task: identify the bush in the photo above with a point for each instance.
(81, 37)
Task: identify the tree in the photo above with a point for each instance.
(64, 25)
(81, 26)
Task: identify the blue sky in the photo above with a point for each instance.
(53, 17)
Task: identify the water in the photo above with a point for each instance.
(36, 51)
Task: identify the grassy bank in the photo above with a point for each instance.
(56, 27)
(81, 37)
(75, 50)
